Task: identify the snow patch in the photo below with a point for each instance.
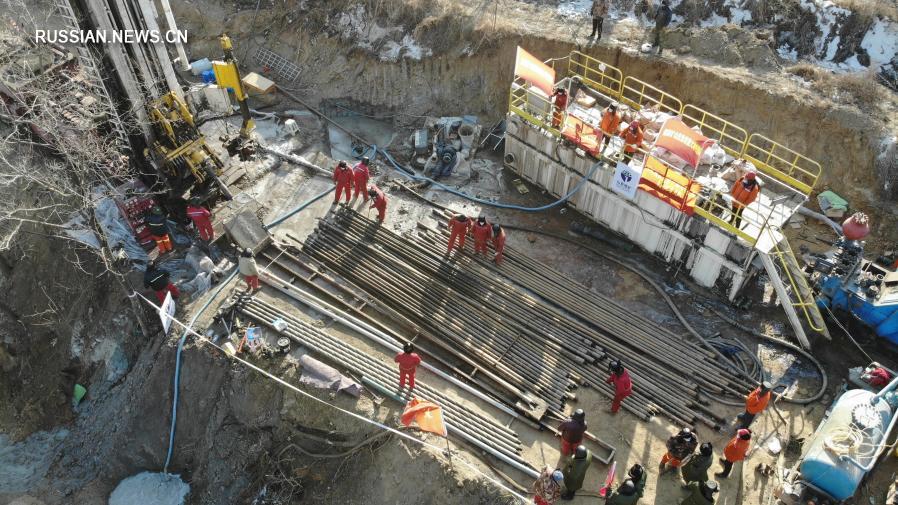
(574, 8)
(881, 42)
(149, 487)
(384, 40)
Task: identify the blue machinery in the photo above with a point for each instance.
(868, 291)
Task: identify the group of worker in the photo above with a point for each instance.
(681, 455)
(354, 182)
(482, 231)
(610, 125)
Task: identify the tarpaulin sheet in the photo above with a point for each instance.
(427, 415)
(319, 375)
(669, 185)
(529, 68)
(683, 141)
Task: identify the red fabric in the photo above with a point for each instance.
(623, 387)
(539, 500)
(458, 230)
(615, 403)
(668, 459)
(669, 185)
(171, 288)
(499, 246)
(568, 448)
(585, 136)
(427, 415)
(481, 233)
(736, 449)
(684, 142)
(343, 180)
(360, 176)
(744, 196)
(379, 203)
(755, 402)
(201, 218)
(408, 365)
(252, 281)
(560, 107)
(879, 377)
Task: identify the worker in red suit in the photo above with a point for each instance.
(482, 232)
(408, 364)
(459, 226)
(633, 137)
(202, 219)
(744, 192)
(379, 202)
(343, 179)
(622, 384)
(159, 281)
(498, 243)
(360, 176)
(559, 98)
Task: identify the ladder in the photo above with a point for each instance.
(793, 290)
(93, 79)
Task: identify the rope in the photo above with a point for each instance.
(845, 330)
(189, 330)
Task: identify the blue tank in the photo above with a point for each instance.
(854, 428)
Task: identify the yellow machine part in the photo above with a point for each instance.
(226, 76)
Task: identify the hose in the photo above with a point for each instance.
(183, 339)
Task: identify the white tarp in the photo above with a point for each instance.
(118, 234)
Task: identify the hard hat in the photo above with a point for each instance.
(365, 160)
(617, 366)
(372, 191)
(195, 200)
(712, 486)
(766, 386)
(496, 228)
(151, 264)
(557, 476)
(627, 488)
(342, 164)
(705, 449)
(744, 434)
(408, 347)
(461, 217)
(750, 176)
(578, 415)
(686, 431)
(156, 210)
(634, 124)
(580, 452)
(636, 471)
(481, 219)
(612, 106)
(247, 253)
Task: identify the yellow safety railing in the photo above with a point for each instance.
(717, 207)
(596, 73)
(729, 136)
(639, 94)
(531, 104)
(782, 163)
(800, 292)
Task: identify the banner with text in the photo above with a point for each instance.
(683, 141)
(529, 68)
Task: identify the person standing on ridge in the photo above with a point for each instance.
(343, 179)
(459, 226)
(598, 11)
(482, 233)
(623, 387)
(662, 21)
(408, 361)
(571, 432)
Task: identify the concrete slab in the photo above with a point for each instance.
(247, 231)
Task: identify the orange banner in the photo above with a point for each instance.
(683, 141)
(527, 67)
(427, 415)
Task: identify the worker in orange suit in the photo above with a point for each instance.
(482, 232)
(343, 178)
(202, 219)
(623, 386)
(735, 451)
(498, 243)
(408, 364)
(744, 192)
(559, 98)
(610, 123)
(378, 201)
(755, 403)
(360, 176)
(459, 226)
(632, 140)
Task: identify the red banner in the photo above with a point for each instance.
(683, 141)
(427, 415)
(527, 67)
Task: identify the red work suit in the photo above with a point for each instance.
(379, 203)
(343, 180)
(202, 219)
(560, 107)
(481, 233)
(499, 245)
(458, 229)
(408, 365)
(622, 388)
(360, 176)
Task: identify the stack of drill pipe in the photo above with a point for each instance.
(428, 289)
(459, 417)
(621, 333)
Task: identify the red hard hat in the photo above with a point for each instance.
(751, 176)
(634, 124)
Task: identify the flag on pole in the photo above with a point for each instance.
(427, 415)
(609, 480)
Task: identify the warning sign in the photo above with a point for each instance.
(167, 312)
